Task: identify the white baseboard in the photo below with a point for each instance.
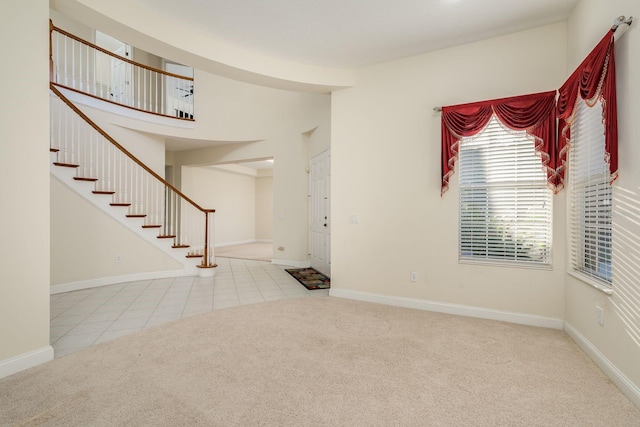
(112, 280)
(239, 242)
(25, 361)
(242, 242)
(291, 263)
(460, 310)
(628, 388)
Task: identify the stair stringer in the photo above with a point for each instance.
(102, 202)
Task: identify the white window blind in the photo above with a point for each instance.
(591, 196)
(505, 205)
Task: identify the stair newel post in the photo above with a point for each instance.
(208, 258)
(205, 257)
(212, 255)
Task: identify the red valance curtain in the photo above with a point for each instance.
(593, 80)
(533, 113)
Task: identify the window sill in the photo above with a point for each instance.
(527, 266)
(591, 282)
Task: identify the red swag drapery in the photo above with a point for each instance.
(534, 113)
(593, 80)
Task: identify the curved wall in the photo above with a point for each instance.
(154, 33)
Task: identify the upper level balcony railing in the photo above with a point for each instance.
(82, 66)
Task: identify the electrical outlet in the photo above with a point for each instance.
(281, 248)
(600, 314)
(118, 258)
(413, 276)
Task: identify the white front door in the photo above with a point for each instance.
(320, 212)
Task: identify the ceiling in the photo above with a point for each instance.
(355, 33)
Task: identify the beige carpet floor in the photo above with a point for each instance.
(255, 251)
(321, 361)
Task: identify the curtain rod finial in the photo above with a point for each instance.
(621, 20)
(437, 109)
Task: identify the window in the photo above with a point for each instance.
(505, 205)
(591, 196)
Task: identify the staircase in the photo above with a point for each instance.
(94, 165)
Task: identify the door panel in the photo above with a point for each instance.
(121, 77)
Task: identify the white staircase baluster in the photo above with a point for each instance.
(82, 142)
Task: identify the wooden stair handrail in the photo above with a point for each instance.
(122, 58)
(70, 104)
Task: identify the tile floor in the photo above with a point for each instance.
(86, 317)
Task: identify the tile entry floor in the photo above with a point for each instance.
(86, 317)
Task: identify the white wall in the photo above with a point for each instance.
(24, 185)
(231, 194)
(385, 153)
(619, 339)
(264, 207)
(74, 27)
(242, 197)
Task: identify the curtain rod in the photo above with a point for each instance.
(621, 23)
